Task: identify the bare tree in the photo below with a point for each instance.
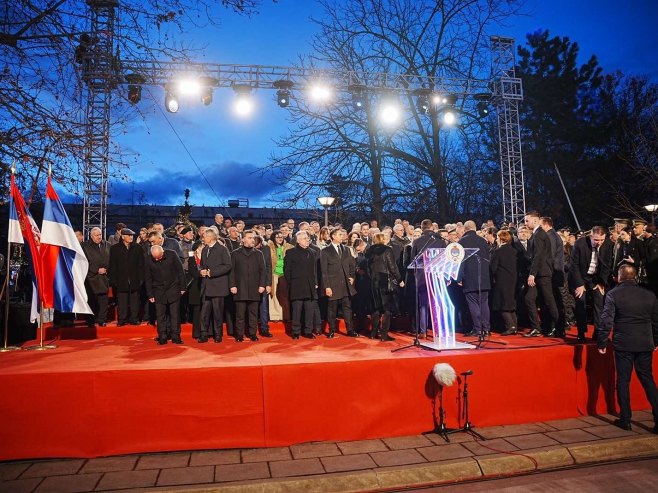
(416, 164)
(42, 104)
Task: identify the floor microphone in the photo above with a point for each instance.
(466, 373)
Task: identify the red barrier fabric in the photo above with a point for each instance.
(120, 393)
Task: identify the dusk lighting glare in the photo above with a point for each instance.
(437, 99)
(244, 105)
(320, 93)
(390, 113)
(449, 118)
(189, 87)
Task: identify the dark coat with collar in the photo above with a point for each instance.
(300, 270)
(336, 271)
(126, 270)
(165, 278)
(633, 312)
(581, 256)
(541, 254)
(504, 263)
(218, 260)
(98, 256)
(247, 273)
(474, 273)
(429, 239)
(193, 286)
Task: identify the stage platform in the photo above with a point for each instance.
(112, 390)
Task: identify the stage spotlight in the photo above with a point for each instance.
(134, 87)
(171, 102)
(283, 98)
(320, 93)
(423, 104)
(449, 117)
(206, 87)
(189, 87)
(483, 109)
(283, 92)
(206, 95)
(358, 92)
(244, 104)
(389, 111)
(439, 99)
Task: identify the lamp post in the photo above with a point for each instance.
(326, 202)
(652, 208)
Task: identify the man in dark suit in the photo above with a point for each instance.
(633, 311)
(247, 284)
(338, 269)
(97, 283)
(165, 284)
(300, 270)
(591, 260)
(264, 303)
(557, 279)
(475, 280)
(539, 278)
(415, 282)
(126, 272)
(214, 271)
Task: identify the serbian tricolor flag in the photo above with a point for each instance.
(24, 230)
(64, 263)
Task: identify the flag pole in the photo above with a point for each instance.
(5, 348)
(41, 346)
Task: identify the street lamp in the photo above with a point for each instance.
(652, 208)
(326, 202)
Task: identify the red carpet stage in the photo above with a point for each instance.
(112, 391)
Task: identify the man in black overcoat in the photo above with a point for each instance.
(338, 269)
(264, 303)
(591, 260)
(214, 271)
(97, 282)
(165, 284)
(540, 278)
(126, 272)
(247, 284)
(633, 312)
(300, 270)
(475, 280)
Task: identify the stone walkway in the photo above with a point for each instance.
(365, 465)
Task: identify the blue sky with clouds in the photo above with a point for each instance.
(229, 152)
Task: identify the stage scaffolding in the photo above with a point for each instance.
(103, 70)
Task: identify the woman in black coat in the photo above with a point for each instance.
(381, 264)
(503, 275)
(361, 301)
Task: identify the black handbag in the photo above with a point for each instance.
(392, 285)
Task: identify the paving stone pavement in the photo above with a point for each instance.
(345, 466)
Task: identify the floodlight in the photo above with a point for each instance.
(189, 87)
(134, 87)
(439, 99)
(244, 104)
(389, 111)
(206, 89)
(449, 117)
(283, 98)
(320, 92)
(483, 109)
(171, 102)
(423, 104)
(358, 92)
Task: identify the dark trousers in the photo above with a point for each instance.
(478, 307)
(195, 314)
(212, 316)
(246, 311)
(128, 307)
(543, 287)
(332, 310)
(380, 319)
(317, 316)
(98, 304)
(299, 308)
(229, 314)
(264, 312)
(596, 300)
(625, 361)
(168, 316)
(509, 319)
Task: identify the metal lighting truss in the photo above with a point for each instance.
(507, 93)
(103, 72)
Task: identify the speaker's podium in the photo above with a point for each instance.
(434, 269)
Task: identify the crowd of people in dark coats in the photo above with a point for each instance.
(225, 275)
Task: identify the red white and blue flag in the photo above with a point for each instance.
(24, 230)
(64, 263)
